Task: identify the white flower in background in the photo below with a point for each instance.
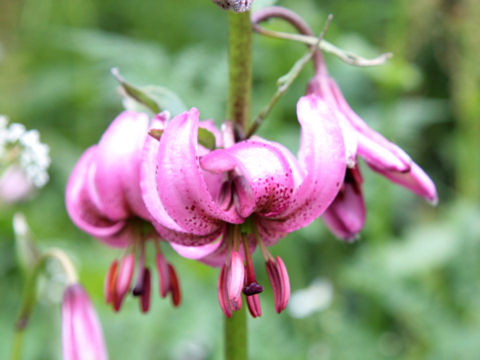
(317, 297)
(24, 161)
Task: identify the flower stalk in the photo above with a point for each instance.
(29, 296)
(238, 111)
(240, 68)
(346, 56)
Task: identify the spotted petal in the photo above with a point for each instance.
(322, 156)
(181, 185)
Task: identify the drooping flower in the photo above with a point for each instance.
(217, 206)
(346, 215)
(82, 337)
(103, 199)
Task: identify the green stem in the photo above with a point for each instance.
(240, 68)
(238, 111)
(236, 336)
(29, 296)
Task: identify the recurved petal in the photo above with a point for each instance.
(148, 181)
(345, 217)
(372, 146)
(322, 155)
(188, 239)
(264, 183)
(82, 209)
(180, 183)
(118, 159)
(415, 180)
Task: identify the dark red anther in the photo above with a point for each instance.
(109, 284)
(252, 289)
(222, 292)
(163, 274)
(124, 275)
(174, 286)
(235, 280)
(253, 302)
(146, 288)
(277, 273)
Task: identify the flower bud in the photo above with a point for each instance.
(82, 337)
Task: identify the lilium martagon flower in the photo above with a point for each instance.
(103, 199)
(345, 217)
(217, 205)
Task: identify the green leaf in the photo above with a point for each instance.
(165, 99)
(206, 138)
(136, 93)
(156, 133)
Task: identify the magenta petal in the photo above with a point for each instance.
(218, 161)
(82, 210)
(148, 180)
(182, 188)
(197, 252)
(415, 180)
(376, 153)
(322, 154)
(298, 172)
(265, 189)
(82, 337)
(268, 175)
(345, 217)
(117, 174)
(372, 146)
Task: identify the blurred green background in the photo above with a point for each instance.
(408, 289)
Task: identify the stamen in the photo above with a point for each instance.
(109, 284)
(277, 273)
(163, 274)
(125, 274)
(251, 285)
(222, 292)
(235, 279)
(146, 288)
(174, 286)
(254, 307)
(138, 288)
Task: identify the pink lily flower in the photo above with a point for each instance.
(217, 206)
(103, 198)
(82, 337)
(346, 215)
